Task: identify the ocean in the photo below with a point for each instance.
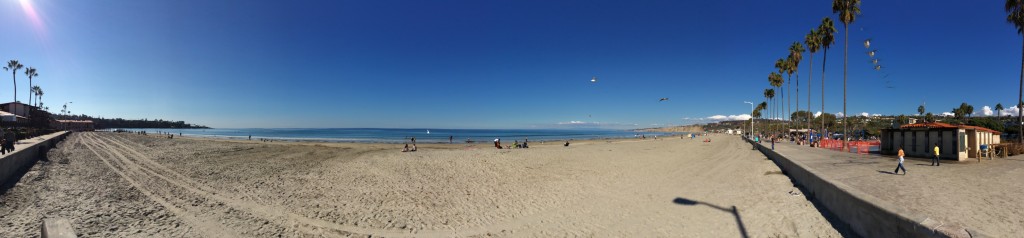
(374, 135)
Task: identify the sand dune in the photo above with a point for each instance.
(130, 185)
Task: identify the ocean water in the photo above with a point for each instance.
(403, 135)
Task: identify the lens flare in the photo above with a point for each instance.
(32, 14)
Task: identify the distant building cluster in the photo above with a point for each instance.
(17, 114)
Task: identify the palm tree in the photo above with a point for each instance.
(999, 110)
(36, 90)
(1015, 16)
(848, 11)
(770, 94)
(826, 34)
(796, 51)
(920, 110)
(39, 94)
(775, 79)
(31, 73)
(14, 66)
(813, 44)
(781, 65)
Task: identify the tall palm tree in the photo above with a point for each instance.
(796, 51)
(826, 34)
(776, 81)
(813, 42)
(36, 90)
(31, 73)
(999, 110)
(762, 106)
(770, 94)
(781, 65)
(1015, 16)
(848, 11)
(767, 99)
(14, 66)
(920, 110)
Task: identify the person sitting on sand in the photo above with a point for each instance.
(413, 147)
(497, 143)
(566, 144)
(406, 148)
(516, 145)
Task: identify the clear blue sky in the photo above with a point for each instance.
(490, 64)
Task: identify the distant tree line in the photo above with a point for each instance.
(104, 123)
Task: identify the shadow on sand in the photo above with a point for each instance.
(735, 213)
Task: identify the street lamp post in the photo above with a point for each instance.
(751, 119)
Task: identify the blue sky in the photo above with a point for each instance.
(491, 64)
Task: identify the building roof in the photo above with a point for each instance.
(940, 125)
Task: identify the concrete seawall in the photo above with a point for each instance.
(26, 153)
(864, 214)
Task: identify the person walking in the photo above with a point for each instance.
(935, 160)
(900, 166)
(450, 139)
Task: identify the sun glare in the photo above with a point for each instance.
(33, 16)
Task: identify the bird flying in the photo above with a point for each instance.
(662, 99)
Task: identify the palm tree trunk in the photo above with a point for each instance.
(14, 78)
(30, 92)
(810, 76)
(824, 59)
(1020, 93)
(846, 61)
(797, 93)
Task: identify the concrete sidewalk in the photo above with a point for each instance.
(986, 195)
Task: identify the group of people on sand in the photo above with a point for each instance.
(407, 149)
(515, 144)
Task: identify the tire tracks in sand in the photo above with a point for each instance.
(277, 215)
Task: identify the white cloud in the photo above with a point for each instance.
(987, 111)
(817, 114)
(876, 115)
(729, 117)
(947, 114)
(839, 114)
(864, 114)
(1011, 111)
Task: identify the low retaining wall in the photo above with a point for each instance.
(25, 155)
(864, 214)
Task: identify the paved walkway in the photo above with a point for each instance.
(988, 196)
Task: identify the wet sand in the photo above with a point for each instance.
(110, 184)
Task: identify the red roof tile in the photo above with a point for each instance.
(940, 125)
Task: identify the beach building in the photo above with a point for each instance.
(956, 142)
(74, 125)
(17, 108)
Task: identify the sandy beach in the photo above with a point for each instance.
(113, 185)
